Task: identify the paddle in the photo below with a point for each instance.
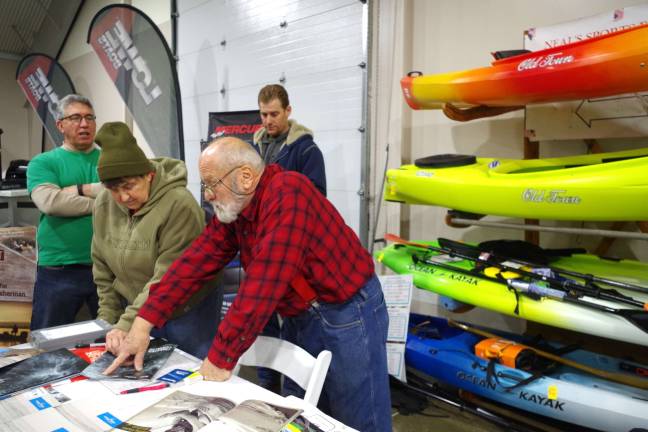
(455, 245)
(612, 376)
(566, 285)
(590, 289)
(638, 318)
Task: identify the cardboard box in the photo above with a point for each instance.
(18, 257)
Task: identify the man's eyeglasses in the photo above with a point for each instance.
(211, 186)
(76, 118)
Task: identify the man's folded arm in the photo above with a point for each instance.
(54, 201)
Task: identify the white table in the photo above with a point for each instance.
(11, 197)
(90, 400)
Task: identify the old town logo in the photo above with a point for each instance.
(548, 61)
(549, 196)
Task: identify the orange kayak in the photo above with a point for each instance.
(607, 65)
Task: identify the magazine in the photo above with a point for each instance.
(185, 412)
(314, 420)
(14, 355)
(301, 424)
(156, 356)
(90, 353)
(178, 360)
(39, 370)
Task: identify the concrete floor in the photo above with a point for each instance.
(442, 417)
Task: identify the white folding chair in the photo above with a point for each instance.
(289, 359)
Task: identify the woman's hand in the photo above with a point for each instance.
(133, 346)
(114, 339)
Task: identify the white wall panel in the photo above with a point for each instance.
(341, 158)
(229, 49)
(347, 204)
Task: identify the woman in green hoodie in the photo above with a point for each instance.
(142, 222)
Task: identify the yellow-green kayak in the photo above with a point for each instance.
(597, 187)
(433, 271)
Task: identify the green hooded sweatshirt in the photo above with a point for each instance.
(132, 252)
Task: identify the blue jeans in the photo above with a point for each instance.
(356, 389)
(194, 331)
(59, 294)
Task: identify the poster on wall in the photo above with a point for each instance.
(398, 297)
(17, 263)
(614, 116)
(44, 82)
(239, 124)
(139, 62)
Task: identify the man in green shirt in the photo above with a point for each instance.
(63, 184)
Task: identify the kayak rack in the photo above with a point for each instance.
(458, 222)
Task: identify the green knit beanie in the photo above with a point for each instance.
(120, 154)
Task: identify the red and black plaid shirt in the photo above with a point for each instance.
(289, 228)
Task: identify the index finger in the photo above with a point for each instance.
(139, 360)
(121, 358)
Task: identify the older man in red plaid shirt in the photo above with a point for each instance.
(302, 261)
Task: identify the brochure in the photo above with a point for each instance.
(182, 411)
(39, 370)
(156, 356)
(90, 353)
(314, 420)
(177, 360)
(14, 355)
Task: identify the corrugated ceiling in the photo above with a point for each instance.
(28, 26)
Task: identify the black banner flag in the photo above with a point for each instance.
(138, 59)
(44, 82)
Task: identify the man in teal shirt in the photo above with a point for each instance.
(63, 183)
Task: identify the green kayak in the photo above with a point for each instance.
(433, 271)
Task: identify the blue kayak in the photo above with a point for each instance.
(562, 393)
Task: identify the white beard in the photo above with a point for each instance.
(226, 213)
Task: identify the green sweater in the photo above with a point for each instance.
(130, 253)
(63, 240)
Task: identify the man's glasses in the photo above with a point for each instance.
(76, 118)
(211, 186)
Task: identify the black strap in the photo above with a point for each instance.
(525, 251)
(493, 377)
(445, 161)
(498, 55)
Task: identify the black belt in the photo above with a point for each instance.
(70, 266)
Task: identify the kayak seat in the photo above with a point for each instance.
(445, 161)
(498, 55)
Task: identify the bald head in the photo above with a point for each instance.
(223, 154)
(230, 170)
